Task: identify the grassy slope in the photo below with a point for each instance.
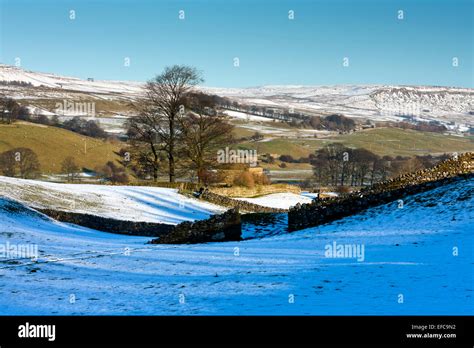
(395, 141)
(102, 106)
(383, 141)
(279, 146)
(53, 145)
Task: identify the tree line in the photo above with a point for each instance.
(338, 165)
(11, 111)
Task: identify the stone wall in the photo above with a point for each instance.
(258, 190)
(223, 227)
(134, 228)
(218, 228)
(234, 203)
(329, 209)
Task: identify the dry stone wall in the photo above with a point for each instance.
(218, 228)
(329, 209)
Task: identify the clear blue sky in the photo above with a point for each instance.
(272, 49)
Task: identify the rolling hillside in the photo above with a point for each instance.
(53, 145)
(406, 142)
(382, 141)
(134, 203)
(401, 256)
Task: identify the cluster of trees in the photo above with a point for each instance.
(19, 162)
(109, 171)
(70, 168)
(421, 126)
(334, 122)
(337, 165)
(10, 111)
(290, 159)
(113, 173)
(275, 113)
(175, 129)
(40, 119)
(85, 127)
(16, 83)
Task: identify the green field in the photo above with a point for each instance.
(280, 147)
(53, 145)
(382, 141)
(102, 106)
(406, 142)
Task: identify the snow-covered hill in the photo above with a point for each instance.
(374, 102)
(10, 73)
(417, 261)
(134, 203)
(445, 104)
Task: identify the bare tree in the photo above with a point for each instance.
(70, 168)
(9, 110)
(336, 164)
(8, 163)
(157, 122)
(29, 165)
(146, 150)
(21, 161)
(113, 173)
(203, 133)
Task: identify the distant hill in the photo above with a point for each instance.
(53, 145)
(450, 106)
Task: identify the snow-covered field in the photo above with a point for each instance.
(135, 203)
(279, 200)
(246, 117)
(408, 256)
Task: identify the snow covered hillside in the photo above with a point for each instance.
(10, 73)
(135, 203)
(444, 104)
(408, 252)
(375, 102)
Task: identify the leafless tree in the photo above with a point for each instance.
(203, 133)
(70, 168)
(22, 161)
(29, 164)
(157, 123)
(8, 163)
(9, 110)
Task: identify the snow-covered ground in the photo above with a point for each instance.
(279, 200)
(246, 117)
(136, 203)
(375, 102)
(409, 267)
(10, 73)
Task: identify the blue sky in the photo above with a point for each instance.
(272, 49)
